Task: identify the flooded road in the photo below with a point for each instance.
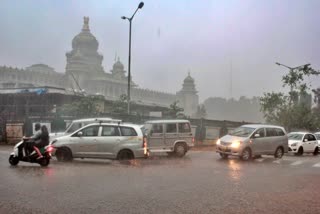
(200, 182)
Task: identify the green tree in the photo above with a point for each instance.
(175, 110)
(120, 106)
(290, 110)
(84, 107)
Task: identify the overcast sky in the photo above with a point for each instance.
(169, 38)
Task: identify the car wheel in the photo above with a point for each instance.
(13, 160)
(64, 154)
(125, 155)
(279, 152)
(300, 151)
(223, 156)
(316, 151)
(246, 154)
(180, 150)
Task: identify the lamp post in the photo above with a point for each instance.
(299, 68)
(129, 58)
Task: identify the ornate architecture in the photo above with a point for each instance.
(85, 73)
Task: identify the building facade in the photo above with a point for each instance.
(85, 74)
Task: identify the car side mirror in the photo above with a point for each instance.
(256, 135)
(80, 134)
(305, 140)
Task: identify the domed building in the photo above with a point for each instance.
(188, 96)
(85, 74)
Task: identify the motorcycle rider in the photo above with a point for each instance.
(30, 141)
(42, 142)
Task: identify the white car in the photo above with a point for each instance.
(303, 142)
(101, 140)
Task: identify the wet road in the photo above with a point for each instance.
(201, 182)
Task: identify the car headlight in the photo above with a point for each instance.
(235, 144)
(294, 144)
(218, 142)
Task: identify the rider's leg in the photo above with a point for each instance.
(38, 151)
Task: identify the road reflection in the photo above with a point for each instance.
(235, 169)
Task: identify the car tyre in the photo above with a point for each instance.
(279, 153)
(180, 150)
(64, 154)
(246, 154)
(223, 156)
(316, 151)
(125, 155)
(13, 160)
(300, 152)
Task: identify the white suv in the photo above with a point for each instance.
(303, 142)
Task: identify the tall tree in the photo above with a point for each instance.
(290, 110)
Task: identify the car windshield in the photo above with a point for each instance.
(295, 136)
(242, 131)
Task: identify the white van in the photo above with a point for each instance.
(170, 136)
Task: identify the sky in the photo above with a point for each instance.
(229, 47)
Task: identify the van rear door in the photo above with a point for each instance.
(185, 133)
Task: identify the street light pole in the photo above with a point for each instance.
(129, 57)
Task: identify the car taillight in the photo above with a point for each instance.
(145, 145)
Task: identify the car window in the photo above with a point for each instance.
(184, 127)
(295, 136)
(128, 131)
(280, 132)
(242, 131)
(73, 127)
(260, 132)
(271, 132)
(171, 128)
(110, 131)
(91, 131)
(157, 128)
(311, 137)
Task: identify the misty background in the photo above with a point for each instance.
(229, 47)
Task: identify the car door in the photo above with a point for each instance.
(312, 142)
(171, 134)
(85, 142)
(108, 141)
(258, 141)
(156, 137)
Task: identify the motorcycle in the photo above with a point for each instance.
(19, 154)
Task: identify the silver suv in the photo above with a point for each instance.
(254, 140)
(171, 136)
(101, 140)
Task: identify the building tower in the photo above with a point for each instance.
(188, 96)
(84, 61)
